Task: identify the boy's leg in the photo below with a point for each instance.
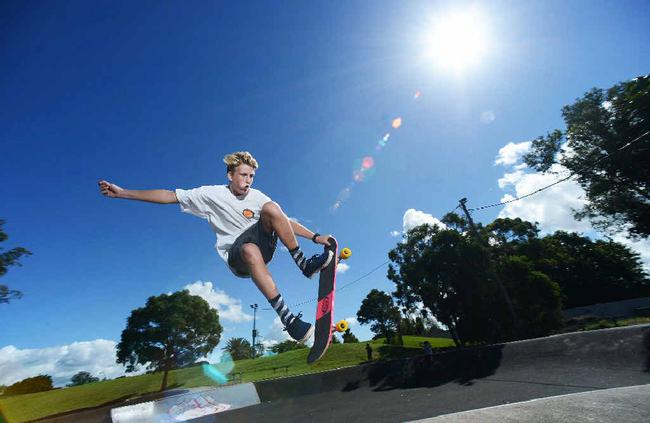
(252, 256)
(273, 219)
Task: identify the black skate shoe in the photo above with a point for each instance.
(317, 263)
(299, 330)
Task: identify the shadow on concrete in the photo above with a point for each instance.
(461, 366)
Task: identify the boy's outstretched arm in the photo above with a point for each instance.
(160, 196)
(300, 230)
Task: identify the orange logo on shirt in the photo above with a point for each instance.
(248, 213)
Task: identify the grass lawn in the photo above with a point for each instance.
(26, 407)
(604, 324)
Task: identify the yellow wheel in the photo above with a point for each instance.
(346, 253)
(342, 326)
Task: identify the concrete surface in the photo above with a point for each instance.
(629, 404)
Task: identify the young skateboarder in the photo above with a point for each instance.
(247, 225)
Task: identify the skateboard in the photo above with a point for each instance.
(325, 307)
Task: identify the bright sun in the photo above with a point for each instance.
(457, 40)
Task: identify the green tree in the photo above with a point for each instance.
(448, 271)
(537, 300)
(586, 271)
(239, 348)
(171, 331)
(598, 125)
(590, 272)
(81, 378)
(288, 345)
(31, 385)
(9, 258)
(379, 310)
(349, 338)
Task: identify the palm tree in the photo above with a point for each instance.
(239, 348)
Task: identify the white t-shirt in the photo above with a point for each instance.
(228, 215)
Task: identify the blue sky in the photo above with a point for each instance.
(153, 95)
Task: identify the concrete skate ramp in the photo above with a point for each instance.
(629, 404)
(545, 360)
(401, 390)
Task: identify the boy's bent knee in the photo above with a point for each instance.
(250, 253)
(272, 208)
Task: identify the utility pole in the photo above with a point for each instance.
(254, 307)
(504, 293)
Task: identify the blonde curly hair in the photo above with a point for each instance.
(240, 157)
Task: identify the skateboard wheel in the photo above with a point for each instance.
(342, 326)
(346, 253)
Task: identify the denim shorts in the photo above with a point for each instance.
(253, 235)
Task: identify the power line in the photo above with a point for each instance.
(560, 180)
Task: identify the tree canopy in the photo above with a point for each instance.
(349, 337)
(81, 378)
(170, 331)
(288, 345)
(379, 310)
(239, 349)
(30, 385)
(590, 272)
(599, 129)
(9, 258)
(450, 273)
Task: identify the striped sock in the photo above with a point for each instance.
(298, 257)
(283, 311)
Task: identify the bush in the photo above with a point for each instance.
(30, 385)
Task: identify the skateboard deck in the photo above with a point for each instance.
(325, 307)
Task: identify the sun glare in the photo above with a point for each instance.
(456, 40)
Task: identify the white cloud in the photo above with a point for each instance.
(510, 178)
(229, 308)
(511, 153)
(342, 268)
(61, 362)
(413, 218)
(395, 233)
(552, 208)
(275, 334)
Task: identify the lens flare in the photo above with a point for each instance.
(367, 162)
(364, 168)
(219, 372)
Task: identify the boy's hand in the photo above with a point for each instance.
(323, 239)
(110, 190)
